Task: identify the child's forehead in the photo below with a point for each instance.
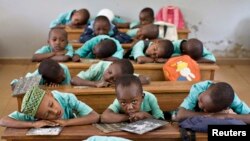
(131, 90)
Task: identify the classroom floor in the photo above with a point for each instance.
(237, 75)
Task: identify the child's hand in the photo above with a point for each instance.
(76, 58)
(52, 85)
(139, 116)
(160, 60)
(102, 83)
(61, 122)
(43, 123)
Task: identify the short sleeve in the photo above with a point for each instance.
(70, 50)
(115, 106)
(191, 100)
(156, 111)
(137, 49)
(81, 108)
(21, 116)
(67, 74)
(208, 55)
(239, 106)
(119, 49)
(43, 50)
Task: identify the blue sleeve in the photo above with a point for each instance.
(86, 48)
(191, 100)
(86, 35)
(43, 50)
(59, 20)
(239, 106)
(67, 79)
(137, 50)
(208, 55)
(21, 116)
(81, 108)
(119, 49)
(132, 32)
(70, 50)
(115, 106)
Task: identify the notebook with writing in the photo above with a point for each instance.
(53, 131)
(143, 126)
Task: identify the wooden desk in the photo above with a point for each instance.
(153, 70)
(77, 45)
(170, 94)
(168, 132)
(74, 34)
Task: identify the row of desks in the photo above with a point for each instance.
(152, 70)
(169, 132)
(169, 94)
(74, 34)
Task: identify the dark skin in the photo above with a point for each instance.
(101, 27)
(187, 48)
(77, 20)
(50, 113)
(58, 41)
(153, 54)
(209, 109)
(109, 77)
(130, 99)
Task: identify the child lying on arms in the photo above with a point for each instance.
(157, 51)
(195, 49)
(212, 99)
(132, 103)
(100, 47)
(52, 73)
(40, 108)
(104, 73)
(57, 49)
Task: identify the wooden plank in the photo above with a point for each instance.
(169, 132)
(170, 94)
(153, 70)
(74, 34)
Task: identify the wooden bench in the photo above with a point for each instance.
(170, 94)
(74, 34)
(169, 132)
(153, 70)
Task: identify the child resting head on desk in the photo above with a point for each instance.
(73, 18)
(57, 49)
(100, 47)
(146, 16)
(132, 103)
(195, 49)
(104, 73)
(145, 51)
(52, 73)
(50, 108)
(213, 99)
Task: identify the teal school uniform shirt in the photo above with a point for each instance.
(149, 105)
(86, 51)
(70, 104)
(63, 18)
(138, 49)
(95, 72)
(177, 51)
(49, 49)
(191, 100)
(66, 81)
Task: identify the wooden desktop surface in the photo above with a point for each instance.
(169, 94)
(152, 70)
(169, 132)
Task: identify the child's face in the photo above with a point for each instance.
(101, 28)
(57, 40)
(112, 73)
(77, 19)
(145, 18)
(49, 108)
(154, 51)
(205, 102)
(129, 98)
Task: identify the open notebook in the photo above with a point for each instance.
(25, 83)
(143, 126)
(45, 131)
